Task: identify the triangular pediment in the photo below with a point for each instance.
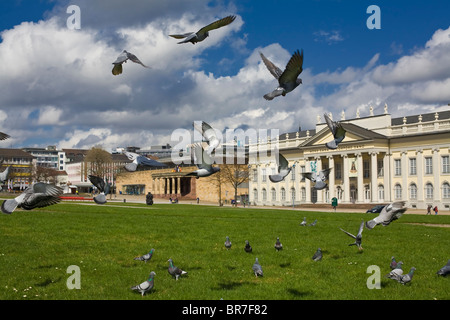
(354, 133)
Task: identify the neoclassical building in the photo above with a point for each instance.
(381, 159)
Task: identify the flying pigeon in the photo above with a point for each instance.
(358, 237)
(200, 35)
(248, 247)
(257, 269)
(228, 243)
(278, 245)
(317, 255)
(4, 136)
(4, 175)
(38, 195)
(123, 57)
(393, 263)
(140, 160)
(102, 186)
(288, 79)
(406, 278)
(318, 178)
(283, 169)
(388, 214)
(146, 257)
(147, 285)
(313, 223)
(209, 134)
(175, 271)
(303, 223)
(337, 130)
(445, 270)
(203, 162)
(397, 272)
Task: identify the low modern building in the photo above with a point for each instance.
(382, 159)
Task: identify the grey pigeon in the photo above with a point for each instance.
(123, 57)
(283, 169)
(209, 134)
(203, 162)
(337, 130)
(358, 237)
(257, 269)
(303, 223)
(38, 195)
(146, 257)
(406, 278)
(388, 214)
(175, 271)
(445, 270)
(278, 245)
(227, 242)
(393, 263)
(288, 79)
(312, 224)
(4, 136)
(203, 33)
(248, 247)
(138, 159)
(397, 272)
(145, 286)
(102, 186)
(4, 175)
(317, 255)
(318, 178)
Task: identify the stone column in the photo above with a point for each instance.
(419, 168)
(373, 176)
(331, 180)
(318, 169)
(360, 177)
(307, 182)
(346, 180)
(387, 174)
(436, 171)
(178, 186)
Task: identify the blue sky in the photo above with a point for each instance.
(60, 90)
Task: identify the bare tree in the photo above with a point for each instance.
(235, 174)
(98, 161)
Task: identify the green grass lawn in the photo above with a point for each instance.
(38, 246)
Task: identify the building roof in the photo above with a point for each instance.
(427, 117)
(17, 153)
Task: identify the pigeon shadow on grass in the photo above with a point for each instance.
(230, 285)
(47, 282)
(297, 293)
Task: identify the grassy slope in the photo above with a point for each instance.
(37, 247)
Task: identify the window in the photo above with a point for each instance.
(338, 170)
(283, 194)
(340, 193)
(274, 194)
(428, 165)
(293, 173)
(445, 164)
(303, 193)
(412, 167)
(413, 191)
(302, 170)
(264, 194)
(429, 191)
(380, 192)
(255, 175)
(366, 192)
(366, 169)
(398, 191)
(264, 175)
(380, 165)
(255, 195)
(397, 167)
(293, 194)
(445, 190)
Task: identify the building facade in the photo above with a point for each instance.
(382, 159)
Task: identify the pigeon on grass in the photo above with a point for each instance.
(317, 255)
(388, 214)
(102, 186)
(203, 33)
(278, 245)
(227, 242)
(303, 223)
(174, 271)
(397, 272)
(445, 270)
(123, 57)
(145, 286)
(288, 79)
(146, 257)
(257, 269)
(248, 247)
(406, 278)
(38, 195)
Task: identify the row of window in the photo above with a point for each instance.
(428, 163)
(429, 193)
